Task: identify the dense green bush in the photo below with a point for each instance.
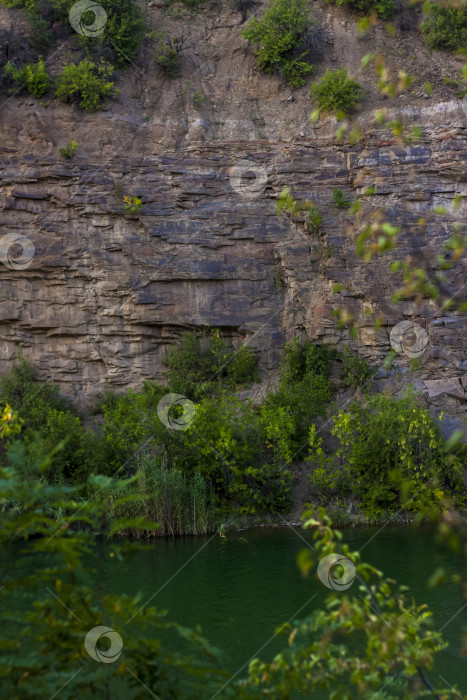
(305, 388)
(336, 92)
(30, 78)
(122, 36)
(47, 421)
(446, 27)
(41, 36)
(355, 371)
(118, 43)
(391, 454)
(234, 457)
(202, 364)
(167, 56)
(384, 8)
(283, 36)
(85, 83)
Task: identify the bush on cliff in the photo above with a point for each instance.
(122, 35)
(85, 83)
(446, 27)
(282, 37)
(203, 364)
(118, 43)
(336, 92)
(391, 454)
(30, 78)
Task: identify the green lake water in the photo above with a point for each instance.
(241, 588)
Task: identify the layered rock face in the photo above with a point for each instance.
(109, 291)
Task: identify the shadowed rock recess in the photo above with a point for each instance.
(109, 291)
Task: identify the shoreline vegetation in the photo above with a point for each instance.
(237, 461)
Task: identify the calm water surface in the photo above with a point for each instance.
(240, 589)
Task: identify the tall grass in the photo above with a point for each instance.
(181, 505)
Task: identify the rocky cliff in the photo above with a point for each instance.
(108, 291)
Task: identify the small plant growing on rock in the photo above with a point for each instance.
(279, 278)
(118, 191)
(336, 92)
(32, 78)
(338, 287)
(69, 150)
(168, 58)
(314, 219)
(133, 205)
(199, 98)
(168, 53)
(339, 199)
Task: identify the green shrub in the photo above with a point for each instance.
(118, 43)
(41, 36)
(167, 56)
(282, 36)
(133, 204)
(199, 98)
(85, 83)
(355, 371)
(242, 368)
(46, 420)
(386, 9)
(446, 27)
(243, 452)
(304, 389)
(22, 389)
(339, 199)
(202, 364)
(122, 35)
(314, 219)
(69, 151)
(336, 92)
(391, 454)
(31, 78)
